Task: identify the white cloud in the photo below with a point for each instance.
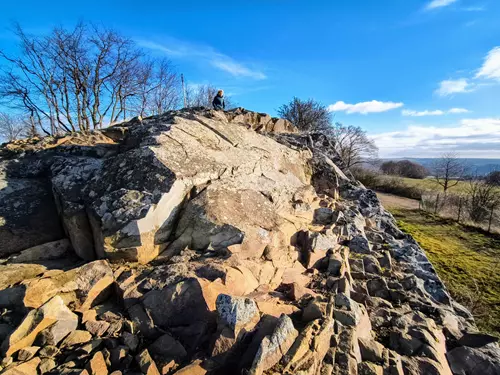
(409, 112)
(458, 110)
(439, 4)
(478, 137)
(491, 65)
(183, 50)
(450, 87)
(364, 108)
(437, 112)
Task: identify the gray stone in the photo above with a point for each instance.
(236, 311)
(28, 214)
(371, 265)
(377, 287)
(273, 347)
(46, 251)
(371, 350)
(476, 340)
(323, 216)
(465, 360)
(360, 245)
(167, 348)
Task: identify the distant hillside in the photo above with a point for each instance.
(479, 166)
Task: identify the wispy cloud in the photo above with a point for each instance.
(491, 66)
(437, 112)
(439, 4)
(474, 9)
(478, 137)
(457, 86)
(364, 108)
(180, 49)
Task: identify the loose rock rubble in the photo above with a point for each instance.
(202, 242)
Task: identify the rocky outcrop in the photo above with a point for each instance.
(202, 242)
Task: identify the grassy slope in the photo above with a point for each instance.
(466, 259)
(432, 185)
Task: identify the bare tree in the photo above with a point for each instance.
(306, 115)
(82, 78)
(483, 199)
(493, 178)
(448, 170)
(12, 127)
(353, 144)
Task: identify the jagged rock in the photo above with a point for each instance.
(178, 304)
(130, 340)
(97, 365)
(90, 284)
(27, 353)
(237, 313)
(142, 321)
(46, 365)
(312, 311)
(323, 216)
(12, 274)
(366, 368)
(371, 265)
(371, 350)
(53, 319)
(377, 287)
(76, 337)
(28, 214)
(476, 340)
(97, 327)
(167, 348)
(467, 361)
(195, 368)
(25, 368)
(273, 347)
(146, 363)
(48, 351)
(360, 245)
(275, 307)
(322, 242)
(46, 251)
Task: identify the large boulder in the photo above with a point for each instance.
(28, 214)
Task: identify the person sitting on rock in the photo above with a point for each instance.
(218, 101)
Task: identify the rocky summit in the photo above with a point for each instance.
(202, 242)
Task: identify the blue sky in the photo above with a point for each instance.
(422, 77)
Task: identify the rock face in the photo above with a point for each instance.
(203, 242)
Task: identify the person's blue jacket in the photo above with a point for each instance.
(218, 103)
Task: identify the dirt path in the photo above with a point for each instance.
(393, 201)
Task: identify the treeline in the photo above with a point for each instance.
(351, 142)
(85, 78)
(404, 168)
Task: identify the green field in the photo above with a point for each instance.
(466, 259)
(432, 185)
